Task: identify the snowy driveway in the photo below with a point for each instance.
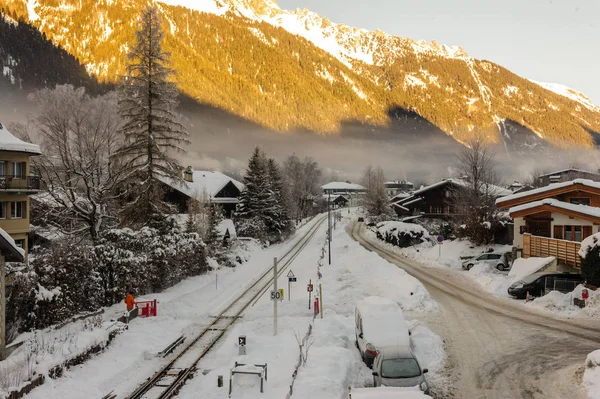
(496, 348)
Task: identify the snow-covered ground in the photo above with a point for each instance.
(333, 362)
(182, 309)
(494, 281)
(591, 375)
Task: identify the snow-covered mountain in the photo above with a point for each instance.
(291, 70)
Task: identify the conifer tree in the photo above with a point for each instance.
(151, 131)
(213, 237)
(278, 221)
(256, 199)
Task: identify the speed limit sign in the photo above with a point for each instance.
(275, 295)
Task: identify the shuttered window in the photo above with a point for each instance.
(587, 231)
(558, 232)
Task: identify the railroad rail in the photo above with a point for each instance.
(169, 379)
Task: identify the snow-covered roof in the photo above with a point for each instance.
(8, 142)
(342, 185)
(9, 249)
(583, 209)
(209, 182)
(225, 225)
(559, 172)
(551, 187)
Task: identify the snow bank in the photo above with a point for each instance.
(490, 279)
(523, 267)
(589, 243)
(383, 322)
(388, 393)
(591, 375)
(562, 304)
(401, 234)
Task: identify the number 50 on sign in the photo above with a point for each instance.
(277, 295)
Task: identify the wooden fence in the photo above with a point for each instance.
(566, 252)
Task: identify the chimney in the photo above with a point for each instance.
(188, 174)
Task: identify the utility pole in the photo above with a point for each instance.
(329, 225)
(2, 308)
(275, 300)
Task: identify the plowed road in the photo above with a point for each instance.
(497, 348)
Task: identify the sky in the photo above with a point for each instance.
(556, 41)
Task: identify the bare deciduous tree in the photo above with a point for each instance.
(376, 201)
(474, 199)
(78, 134)
(302, 181)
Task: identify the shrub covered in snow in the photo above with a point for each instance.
(70, 278)
(590, 259)
(401, 234)
(591, 375)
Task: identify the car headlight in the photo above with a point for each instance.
(517, 287)
(423, 386)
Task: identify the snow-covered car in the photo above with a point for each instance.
(397, 366)
(387, 393)
(379, 323)
(495, 259)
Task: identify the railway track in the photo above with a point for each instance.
(168, 380)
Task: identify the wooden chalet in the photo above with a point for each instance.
(553, 220)
(211, 186)
(564, 175)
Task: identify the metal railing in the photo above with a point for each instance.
(19, 182)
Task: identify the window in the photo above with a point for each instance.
(19, 170)
(495, 256)
(573, 233)
(20, 243)
(580, 201)
(400, 368)
(2, 168)
(437, 209)
(17, 210)
(2, 210)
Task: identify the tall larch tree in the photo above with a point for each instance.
(152, 133)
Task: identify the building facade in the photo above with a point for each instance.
(565, 175)
(394, 188)
(16, 185)
(353, 193)
(553, 220)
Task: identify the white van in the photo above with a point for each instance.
(379, 323)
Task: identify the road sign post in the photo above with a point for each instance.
(440, 241)
(291, 279)
(309, 288)
(274, 299)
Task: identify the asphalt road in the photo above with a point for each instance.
(497, 348)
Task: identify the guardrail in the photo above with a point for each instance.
(19, 182)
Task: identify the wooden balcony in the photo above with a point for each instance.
(566, 252)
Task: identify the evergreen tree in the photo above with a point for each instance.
(213, 236)
(152, 133)
(256, 201)
(278, 219)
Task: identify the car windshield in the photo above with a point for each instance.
(400, 368)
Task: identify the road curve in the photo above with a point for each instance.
(496, 347)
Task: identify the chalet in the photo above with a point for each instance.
(435, 201)
(350, 191)
(336, 200)
(518, 187)
(565, 175)
(395, 188)
(211, 186)
(553, 220)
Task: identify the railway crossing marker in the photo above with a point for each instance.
(291, 279)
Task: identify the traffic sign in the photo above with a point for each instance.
(440, 239)
(291, 274)
(309, 288)
(276, 295)
(292, 279)
(242, 340)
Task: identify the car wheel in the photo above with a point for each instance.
(469, 266)
(500, 267)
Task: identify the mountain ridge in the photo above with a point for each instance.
(289, 70)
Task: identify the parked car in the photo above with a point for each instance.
(379, 323)
(361, 219)
(536, 284)
(397, 366)
(495, 259)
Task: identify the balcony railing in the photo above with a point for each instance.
(566, 252)
(20, 183)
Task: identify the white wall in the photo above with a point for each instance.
(557, 220)
(518, 237)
